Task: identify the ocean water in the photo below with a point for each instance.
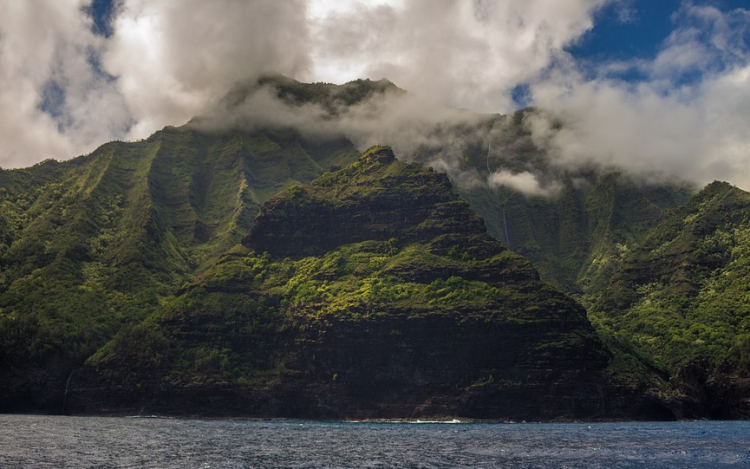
(99, 442)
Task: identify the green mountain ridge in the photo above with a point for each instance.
(567, 232)
(92, 244)
(142, 242)
(682, 296)
(397, 304)
(682, 299)
(564, 235)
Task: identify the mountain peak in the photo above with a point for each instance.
(377, 198)
(382, 154)
(293, 92)
(716, 187)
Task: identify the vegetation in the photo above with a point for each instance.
(95, 244)
(248, 319)
(683, 295)
(150, 253)
(571, 231)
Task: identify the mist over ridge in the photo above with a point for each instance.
(677, 112)
(520, 151)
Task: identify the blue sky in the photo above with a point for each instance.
(654, 86)
(628, 30)
(636, 29)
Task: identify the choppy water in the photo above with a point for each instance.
(96, 442)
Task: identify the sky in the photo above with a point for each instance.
(656, 87)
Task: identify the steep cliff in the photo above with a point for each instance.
(372, 292)
(682, 299)
(90, 245)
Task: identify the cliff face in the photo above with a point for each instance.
(376, 199)
(90, 245)
(372, 292)
(682, 300)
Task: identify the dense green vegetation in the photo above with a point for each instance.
(682, 296)
(93, 244)
(248, 298)
(150, 254)
(399, 251)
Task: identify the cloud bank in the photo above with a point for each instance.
(689, 118)
(65, 88)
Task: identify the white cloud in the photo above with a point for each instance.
(168, 60)
(524, 182)
(665, 126)
(46, 51)
(174, 57)
(461, 53)
(404, 121)
(165, 61)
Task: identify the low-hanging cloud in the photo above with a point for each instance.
(65, 89)
(666, 126)
(407, 122)
(175, 57)
(168, 60)
(524, 182)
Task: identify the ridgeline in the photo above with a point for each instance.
(214, 270)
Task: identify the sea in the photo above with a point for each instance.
(32, 441)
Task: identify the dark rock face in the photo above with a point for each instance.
(393, 366)
(441, 366)
(313, 219)
(426, 317)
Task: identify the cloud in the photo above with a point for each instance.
(52, 100)
(163, 61)
(525, 182)
(175, 57)
(64, 89)
(468, 54)
(689, 119)
(405, 121)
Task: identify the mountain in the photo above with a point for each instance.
(568, 229)
(151, 242)
(371, 292)
(682, 299)
(575, 220)
(92, 244)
